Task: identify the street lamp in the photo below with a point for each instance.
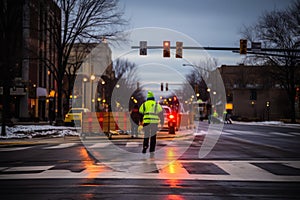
(84, 91)
(93, 77)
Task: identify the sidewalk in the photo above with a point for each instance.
(268, 123)
(164, 134)
(39, 133)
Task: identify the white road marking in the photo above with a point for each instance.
(28, 168)
(238, 132)
(98, 145)
(200, 133)
(295, 133)
(14, 148)
(237, 171)
(132, 144)
(61, 146)
(281, 134)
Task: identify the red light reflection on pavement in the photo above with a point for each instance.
(174, 197)
(91, 169)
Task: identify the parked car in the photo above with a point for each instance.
(74, 116)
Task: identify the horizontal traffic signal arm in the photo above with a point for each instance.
(220, 48)
(262, 51)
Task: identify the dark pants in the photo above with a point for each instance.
(150, 132)
(134, 128)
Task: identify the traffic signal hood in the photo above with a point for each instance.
(179, 49)
(243, 46)
(143, 48)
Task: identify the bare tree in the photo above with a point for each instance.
(87, 21)
(125, 72)
(198, 77)
(76, 58)
(279, 29)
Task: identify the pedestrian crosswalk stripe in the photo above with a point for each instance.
(28, 168)
(14, 148)
(132, 144)
(200, 133)
(99, 145)
(61, 146)
(235, 171)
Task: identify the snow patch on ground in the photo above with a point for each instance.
(30, 131)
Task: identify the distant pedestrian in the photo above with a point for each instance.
(152, 114)
(227, 118)
(213, 118)
(136, 118)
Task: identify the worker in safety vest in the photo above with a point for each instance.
(213, 118)
(152, 114)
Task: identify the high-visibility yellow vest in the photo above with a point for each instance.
(215, 114)
(150, 109)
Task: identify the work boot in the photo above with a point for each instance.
(144, 149)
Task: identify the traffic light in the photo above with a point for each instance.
(162, 87)
(167, 86)
(243, 46)
(143, 48)
(179, 49)
(166, 51)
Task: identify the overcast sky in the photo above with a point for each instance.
(209, 22)
(214, 23)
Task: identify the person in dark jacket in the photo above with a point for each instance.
(136, 118)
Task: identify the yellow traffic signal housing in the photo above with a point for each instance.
(166, 51)
(179, 49)
(243, 46)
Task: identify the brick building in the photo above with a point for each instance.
(253, 93)
(39, 29)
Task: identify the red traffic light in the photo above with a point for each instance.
(166, 48)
